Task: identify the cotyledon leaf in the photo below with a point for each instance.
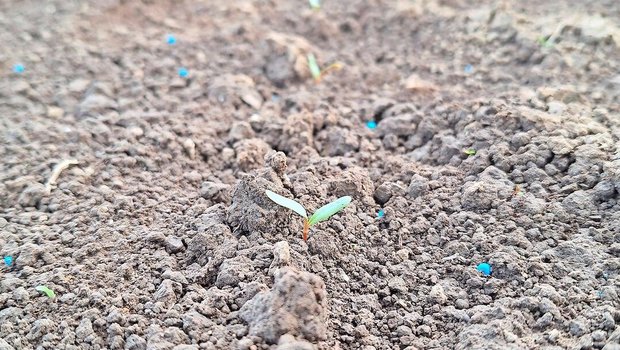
(326, 211)
(287, 203)
(44, 289)
(314, 67)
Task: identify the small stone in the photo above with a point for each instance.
(244, 344)
(84, 330)
(55, 112)
(416, 84)
(213, 190)
(252, 98)
(190, 148)
(461, 304)
(240, 131)
(418, 186)
(437, 294)
(40, 328)
(577, 327)
(383, 193)
(296, 345)
(397, 284)
(174, 244)
(555, 107)
(32, 195)
(599, 335)
(281, 255)
(135, 342)
(176, 276)
(167, 293)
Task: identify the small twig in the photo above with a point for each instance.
(56, 173)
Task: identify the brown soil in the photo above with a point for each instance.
(161, 236)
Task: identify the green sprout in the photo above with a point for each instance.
(322, 214)
(315, 4)
(470, 152)
(545, 42)
(44, 289)
(316, 71)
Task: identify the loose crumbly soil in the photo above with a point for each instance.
(161, 236)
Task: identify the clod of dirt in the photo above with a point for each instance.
(297, 304)
(32, 195)
(251, 153)
(251, 210)
(414, 83)
(215, 191)
(235, 88)
(484, 193)
(95, 105)
(287, 60)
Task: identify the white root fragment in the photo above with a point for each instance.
(56, 173)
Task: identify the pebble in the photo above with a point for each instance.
(174, 244)
(437, 294)
(485, 268)
(55, 112)
(397, 284)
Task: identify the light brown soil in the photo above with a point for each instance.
(161, 236)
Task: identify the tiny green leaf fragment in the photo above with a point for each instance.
(544, 42)
(44, 289)
(326, 211)
(470, 152)
(287, 203)
(315, 4)
(314, 67)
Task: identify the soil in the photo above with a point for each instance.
(161, 236)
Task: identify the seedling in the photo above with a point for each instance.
(545, 42)
(517, 191)
(44, 289)
(322, 214)
(315, 4)
(316, 71)
(470, 152)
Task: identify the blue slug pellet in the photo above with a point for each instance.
(19, 68)
(485, 268)
(8, 260)
(183, 72)
(170, 39)
(381, 214)
(371, 124)
(469, 68)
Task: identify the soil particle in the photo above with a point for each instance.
(296, 304)
(163, 237)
